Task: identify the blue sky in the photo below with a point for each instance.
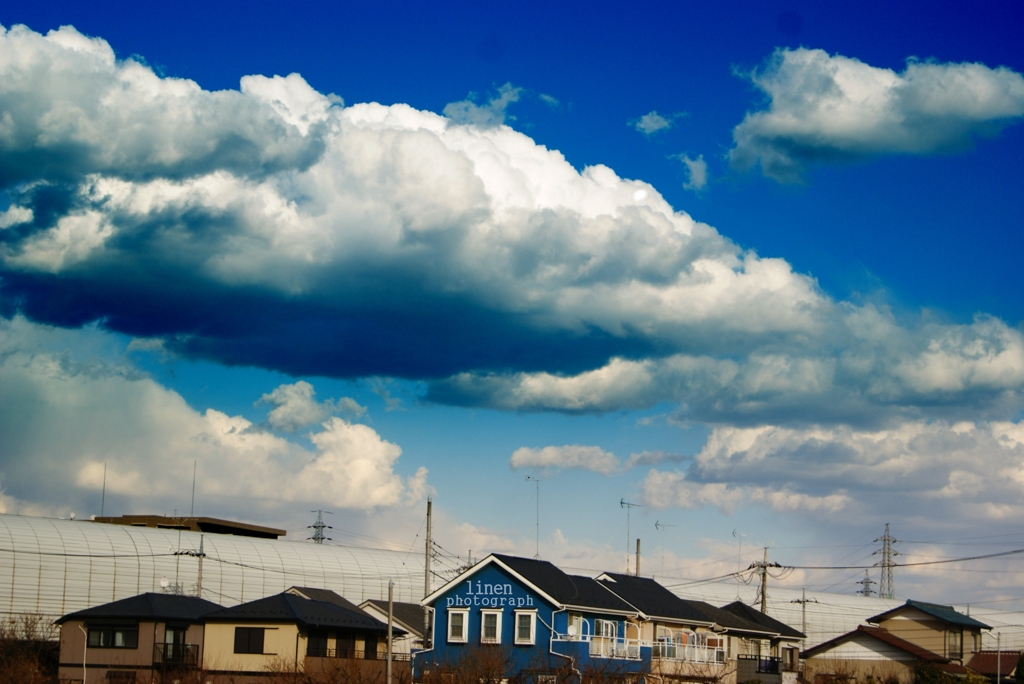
(753, 266)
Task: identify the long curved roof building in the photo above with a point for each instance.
(52, 567)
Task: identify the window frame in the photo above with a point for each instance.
(113, 631)
(519, 641)
(249, 642)
(484, 614)
(599, 631)
(464, 637)
(574, 620)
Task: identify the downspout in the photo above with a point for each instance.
(296, 650)
(551, 642)
(85, 648)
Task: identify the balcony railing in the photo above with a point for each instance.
(765, 665)
(176, 655)
(356, 654)
(690, 653)
(605, 647)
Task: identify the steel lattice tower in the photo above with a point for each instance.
(865, 585)
(885, 586)
(318, 528)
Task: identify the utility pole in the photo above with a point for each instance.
(199, 579)
(885, 587)
(764, 583)
(865, 585)
(629, 508)
(803, 610)
(318, 528)
(103, 497)
(537, 480)
(391, 620)
(762, 569)
(426, 581)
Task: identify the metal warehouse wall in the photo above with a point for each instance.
(52, 567)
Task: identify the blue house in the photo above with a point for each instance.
(527, 618)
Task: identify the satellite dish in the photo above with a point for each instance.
(164, 583)
(72, 515)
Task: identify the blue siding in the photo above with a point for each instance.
(492, 588)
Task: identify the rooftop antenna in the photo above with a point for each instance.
(537, 480)
(739, 553)
(629, 509)
(660, 526)
(319, 526)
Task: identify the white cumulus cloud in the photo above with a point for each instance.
(570, 456)
(830, 108)
(295, 407)
(64, 418)
(696, 172)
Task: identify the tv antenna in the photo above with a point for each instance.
(537, 480)
(318, 527)
(660, 526)
(629, 509)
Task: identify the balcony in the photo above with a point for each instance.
(688, 653)
(354, 654)
(175, 655)
(604, 647)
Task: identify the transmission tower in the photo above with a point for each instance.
(885, 587)
(865, 585)
(318, 528)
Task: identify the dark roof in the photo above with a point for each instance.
(149, 607)
(409, 614)
(730, 621)
(652, 599)
(568, 590)
(287, 607)
(945, 613)
(883, 636)
(324, 595)
(195, 524)
(984, 662)
(765, 621)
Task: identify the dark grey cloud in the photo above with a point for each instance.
(370, 240)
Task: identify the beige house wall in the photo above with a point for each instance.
(282, 642)
(819, 670)
(99, 660)
(923, 630)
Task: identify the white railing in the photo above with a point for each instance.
(605, 647)
(691, 653)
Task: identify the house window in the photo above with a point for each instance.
(249, 639)
(606, 628)
(575, 625)
(955, 644)
(316, 644)
(490, 627)
(114, 637)
(526, 627)
(457, 626)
